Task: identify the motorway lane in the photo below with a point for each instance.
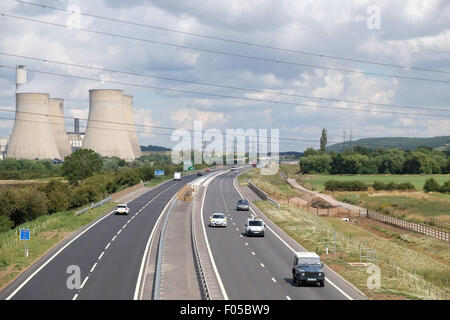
(250, 267)
(115, 245)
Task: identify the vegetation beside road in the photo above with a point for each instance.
(46, 232)
(398, 255)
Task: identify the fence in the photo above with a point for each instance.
(299, 203)
(438, 234)
(11, 238)
(94, 205)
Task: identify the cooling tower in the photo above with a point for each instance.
(129, 118)
(32, 136)
(56, 111)
(103, 133)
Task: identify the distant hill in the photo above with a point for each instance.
(439, 143)
(154, 148)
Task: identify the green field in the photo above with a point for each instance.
(318, 181)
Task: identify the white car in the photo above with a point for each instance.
(254, 227)
(122, 209)
(217, 220)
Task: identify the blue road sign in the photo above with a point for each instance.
(159, 172)
(24, 234)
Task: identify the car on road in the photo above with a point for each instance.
(199, 174)
(242, 204)
(254, 227)
(122, 209)
(207, 170)
(217, 220)
(308, 269)
(177, 176)
(233, 169)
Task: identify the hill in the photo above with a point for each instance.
(154, 148)
(440, 143)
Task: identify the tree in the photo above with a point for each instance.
(431, 185)
(320, 163)
(416, 163)
(323, 140)
(81, 164)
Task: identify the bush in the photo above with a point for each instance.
(84, 194)
(446, 187)
(392, 186)
(431, 185)
(333, 185)
(5, 224)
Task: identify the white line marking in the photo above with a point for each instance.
(114, 238)
(289, 298)
(246, 244)
(101, 255)
(119, 231)
(287, 245)
(273, 279)
(253, 253)
(222, 288)
(93, 267)
(107, 246)
(54, 256)
(84, 282)
(147, 247)
(262, 265)
(75, 297)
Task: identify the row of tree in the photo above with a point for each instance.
(360, 160)
(87, 178)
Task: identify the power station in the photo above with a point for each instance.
(40, 132)
(107, 132)
(33, 135)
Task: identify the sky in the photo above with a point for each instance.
(408, 33)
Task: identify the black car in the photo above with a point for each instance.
(308, 269)
(199, 174)
(243, 205)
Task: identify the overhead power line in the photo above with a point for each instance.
(270, 60)
(266, 23)
(251, 44)
(224, 86)
(228, 96)
(129, 124)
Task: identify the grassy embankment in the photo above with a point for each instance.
(46, 232)
(412, 266)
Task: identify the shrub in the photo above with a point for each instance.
(5, 224)
(392, 186)
(431, 185)
(446, 187)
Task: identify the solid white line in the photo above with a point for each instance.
(147, 247)
(287, 245)
(222, 288)
(54, 256)
(93, 267)
(101, 255)
(289, 298)
(75, 297)
(84, 282)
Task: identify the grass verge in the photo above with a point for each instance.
(46, 232)
(412, 267)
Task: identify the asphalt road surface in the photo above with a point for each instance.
(256, 267)
(109, 254)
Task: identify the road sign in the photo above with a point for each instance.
(159, 172)
(24, 234)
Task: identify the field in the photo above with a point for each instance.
(413, 206)
(418, 181)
